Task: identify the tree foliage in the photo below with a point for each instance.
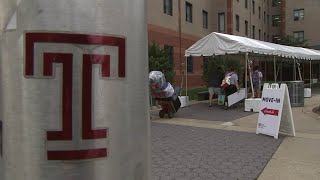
(159, 61)
(291, 41)
(225, 62)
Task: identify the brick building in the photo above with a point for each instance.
(177, 24)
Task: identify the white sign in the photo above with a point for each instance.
(275, 111)
(236, 97)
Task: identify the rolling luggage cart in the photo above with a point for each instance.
(168, 105)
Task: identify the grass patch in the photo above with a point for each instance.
(192, 93)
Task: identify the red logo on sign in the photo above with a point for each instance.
(272, 112)
(67, 60)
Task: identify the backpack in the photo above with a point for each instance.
(226, 81)
(255, 77)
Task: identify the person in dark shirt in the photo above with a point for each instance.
(215, 78)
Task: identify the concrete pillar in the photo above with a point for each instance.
(74, 92)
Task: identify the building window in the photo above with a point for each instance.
(167, 7)
(205, 19)
(221, 22)
(276, 20)
(299, 35)
(268, 19)
(169, 51)
(246, 4)
(237, 23)
(275, 38)
(188, 12)
(253, 32)
(259, 12)
(189, 64)
(264, 37)
(275, 3)
(298, 14)
(264, 17)
(246, 27)
(259, 34)
(253, 6)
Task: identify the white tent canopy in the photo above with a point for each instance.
(220, 44)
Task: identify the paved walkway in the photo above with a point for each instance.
(296, 158)
(192, 153)
(201, 111)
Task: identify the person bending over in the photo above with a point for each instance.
(234, 85)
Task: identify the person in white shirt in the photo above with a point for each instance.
(234, 85)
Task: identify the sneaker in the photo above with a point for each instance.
(210, 105)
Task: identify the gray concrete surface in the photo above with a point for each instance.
(201, 111)
(296, 158)
(192, 153)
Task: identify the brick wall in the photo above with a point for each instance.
(164, 36)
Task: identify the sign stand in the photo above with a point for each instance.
(275, 111)
(287, 124)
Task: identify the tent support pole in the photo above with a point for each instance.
(186, 72)
(274, 69)
(294, 70)
(299, 70)
(250, 76)
(281, 74)
(310, 74)
(246, 74)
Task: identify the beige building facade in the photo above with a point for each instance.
(301, 20)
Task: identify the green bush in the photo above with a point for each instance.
(159, 61)
(193, 92)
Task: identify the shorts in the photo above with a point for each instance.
(256, 86)
(214, 90)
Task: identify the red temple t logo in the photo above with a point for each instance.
(74, 57)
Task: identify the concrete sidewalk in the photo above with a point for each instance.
(296, 158)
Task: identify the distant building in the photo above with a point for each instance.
(300, 20)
